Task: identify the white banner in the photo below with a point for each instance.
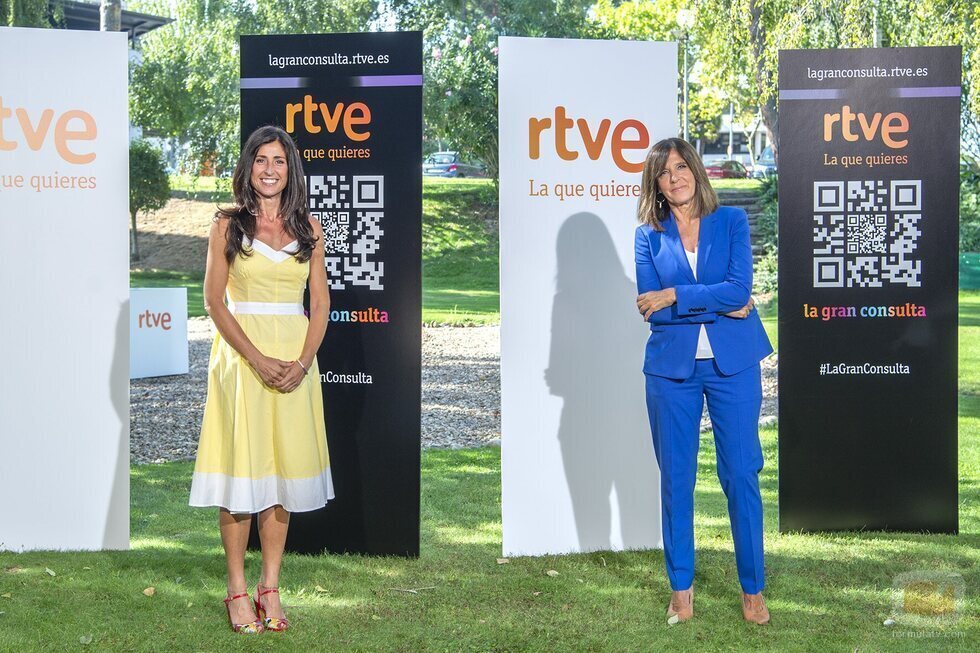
(64, 283)
(576, 120)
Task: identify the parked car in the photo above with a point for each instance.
(726, 170)
(764, 166)
(449, 164)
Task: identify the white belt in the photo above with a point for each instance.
(265, 308)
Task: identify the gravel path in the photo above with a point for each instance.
(460, 394)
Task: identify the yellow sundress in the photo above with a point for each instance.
(260, 447)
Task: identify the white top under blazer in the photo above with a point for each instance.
(704, 347)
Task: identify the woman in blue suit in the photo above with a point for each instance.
(694, 277)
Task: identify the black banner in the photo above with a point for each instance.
(353, 103)
(868, 165)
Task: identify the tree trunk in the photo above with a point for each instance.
(770, 112)
(134, 251)
(110, 15)
(770, 117)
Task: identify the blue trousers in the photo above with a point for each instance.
(675, 409)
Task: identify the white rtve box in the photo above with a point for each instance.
(157, 332)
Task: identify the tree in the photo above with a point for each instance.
(647, 20)
(110, 15)
(186, 86)
(460, 52)
(149, 186)
(741, 39)
(31, 13)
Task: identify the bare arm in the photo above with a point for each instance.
(269, 369)
(319, 312)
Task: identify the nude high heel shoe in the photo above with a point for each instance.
(681, 609)
(754, 609)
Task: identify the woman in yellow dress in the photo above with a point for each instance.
(263, 442)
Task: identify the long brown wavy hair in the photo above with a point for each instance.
(653, 208)
(293, 207)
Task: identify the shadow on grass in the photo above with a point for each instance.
(969, 308)
(821, 587)
(969, 405)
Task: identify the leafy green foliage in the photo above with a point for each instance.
(460, 42)
(740, 39)
(29, 13)
(149, 186)
(647, 20)
(186, 86)
(765, 276)
(766, 227)
(461, 92)
(969, 209)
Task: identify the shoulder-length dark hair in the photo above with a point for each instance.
(653, 205)
(293, 207)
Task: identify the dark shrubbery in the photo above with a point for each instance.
(969, 209)
(766, 226)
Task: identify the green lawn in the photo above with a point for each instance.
(768, 312)
(169, 279)
(460, 250)
(736, 184)
(825, 591)
(210, 189)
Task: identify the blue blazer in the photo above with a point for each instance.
(723, 284)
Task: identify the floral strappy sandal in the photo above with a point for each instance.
(247, 628)
(272, 624)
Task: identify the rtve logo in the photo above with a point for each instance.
(593, 142)
(891, 125)
(316, 116)
(72, 125)
(148, 320)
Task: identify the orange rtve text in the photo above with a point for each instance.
(355, 114)
(35, 132)
(593, 142)
(891, 125)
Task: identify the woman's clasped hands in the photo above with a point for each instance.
(281, 375)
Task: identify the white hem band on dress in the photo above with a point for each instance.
(247, 495)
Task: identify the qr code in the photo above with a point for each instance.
(350, 209)
(866, 233)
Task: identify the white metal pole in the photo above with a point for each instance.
(685, 86)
